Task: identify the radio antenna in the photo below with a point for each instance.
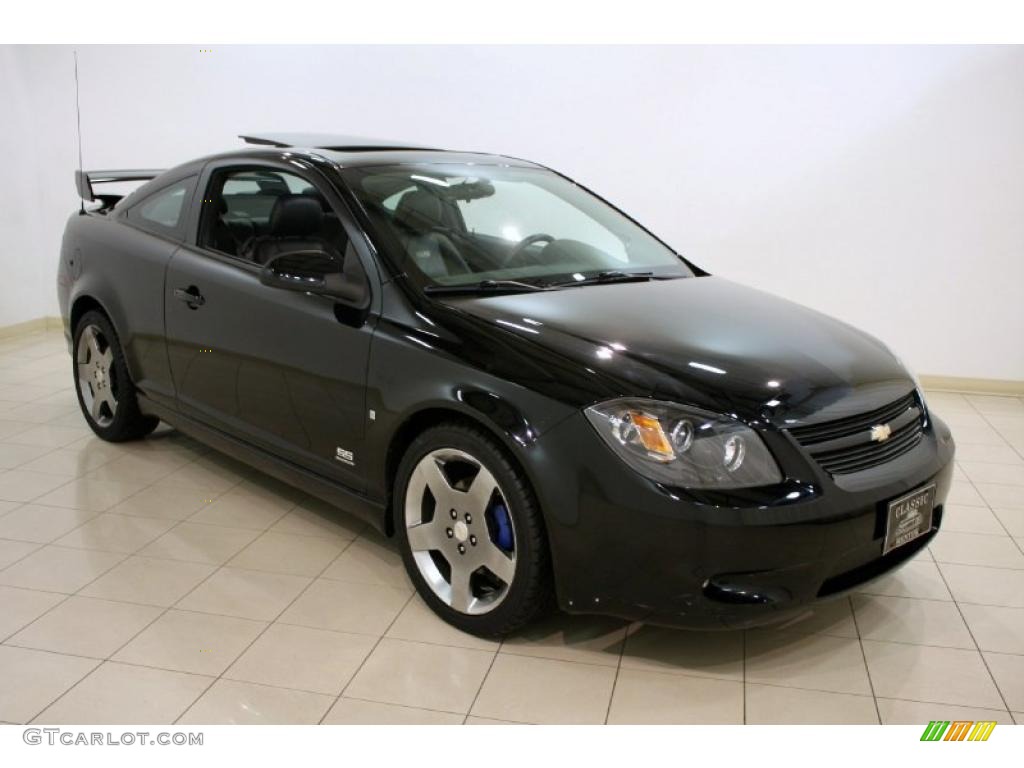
(78, 119)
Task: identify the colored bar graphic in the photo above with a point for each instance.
(982, 730)
(958, 730)
(934, 730)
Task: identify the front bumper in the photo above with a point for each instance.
(625, 546)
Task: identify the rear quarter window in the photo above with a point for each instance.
(164, 212)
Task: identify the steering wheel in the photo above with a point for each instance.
(523, 244)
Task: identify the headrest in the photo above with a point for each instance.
(295, 216)
(419, 210)
(314, 193)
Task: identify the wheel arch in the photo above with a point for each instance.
(508, 431)
(82, 304)
(86, 301)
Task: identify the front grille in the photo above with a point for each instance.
(845, 445)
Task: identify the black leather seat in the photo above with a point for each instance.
(332, 226)
(420, 214)
(296, 225)
(419, 211)
(230, 235)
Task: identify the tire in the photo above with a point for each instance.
(467, 527)
(105, 390)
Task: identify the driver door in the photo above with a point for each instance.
(280, 369)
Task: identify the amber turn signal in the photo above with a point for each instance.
(651, 435)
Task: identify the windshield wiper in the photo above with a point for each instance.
(608, 276)
(485, 286)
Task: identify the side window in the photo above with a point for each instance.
(257, 214)
(163, 211)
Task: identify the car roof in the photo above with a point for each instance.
(349, 151)
(344, 151)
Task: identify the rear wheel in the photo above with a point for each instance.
(471, 532)
(105, 390)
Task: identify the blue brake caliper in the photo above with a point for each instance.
(503, 534)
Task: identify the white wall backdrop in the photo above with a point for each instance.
(883, 185)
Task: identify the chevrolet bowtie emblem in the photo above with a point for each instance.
(880, 432)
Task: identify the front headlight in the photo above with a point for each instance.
(682, 446)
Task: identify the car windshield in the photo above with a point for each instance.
(465, 225)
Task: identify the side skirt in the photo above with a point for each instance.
(368, 510)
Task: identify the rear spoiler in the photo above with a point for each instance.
(85, 179)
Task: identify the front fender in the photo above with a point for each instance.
(411, 386)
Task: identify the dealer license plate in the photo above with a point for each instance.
(909, 516)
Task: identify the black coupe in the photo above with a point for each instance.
(539, 399)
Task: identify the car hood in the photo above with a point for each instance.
(706, 342)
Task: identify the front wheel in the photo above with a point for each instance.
(471, 532)
(105, 390)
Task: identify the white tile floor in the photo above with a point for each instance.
(159, 582)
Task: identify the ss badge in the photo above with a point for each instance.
(345, 457)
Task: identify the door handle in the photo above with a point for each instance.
(190, 296)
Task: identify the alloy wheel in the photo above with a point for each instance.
(97, 381)
(460, 531)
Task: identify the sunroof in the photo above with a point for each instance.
(328, 141)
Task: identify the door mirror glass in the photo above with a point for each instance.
(318, 272)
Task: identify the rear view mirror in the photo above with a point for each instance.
(320, 273)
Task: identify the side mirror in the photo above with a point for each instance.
(320, 273)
